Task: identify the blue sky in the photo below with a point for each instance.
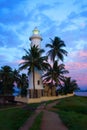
(66, 19)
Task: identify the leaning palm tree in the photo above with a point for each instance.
(34, 60)
(55, 74)
(56, 49)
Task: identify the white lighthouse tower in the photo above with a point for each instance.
(35, 40)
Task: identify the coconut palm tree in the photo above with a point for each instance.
(6, 76)
(56, 49)
(34, 60)
(55, 74)
(16, 75)
(70, 85)
(23, 83)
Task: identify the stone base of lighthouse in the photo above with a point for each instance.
(37, 94)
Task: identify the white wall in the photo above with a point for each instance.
(37, 77)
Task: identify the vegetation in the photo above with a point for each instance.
(13, 118)
(54, 75)
(68, 86)
(23, 84)
(73, 112)
(37, 123)
(33, 59)
(8, 77)
(56, 49)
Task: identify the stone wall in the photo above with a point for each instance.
(49, 91)
(38, 93)
(41, 99)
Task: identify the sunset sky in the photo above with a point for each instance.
(66, 19)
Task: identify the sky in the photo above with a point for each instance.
(66, 19)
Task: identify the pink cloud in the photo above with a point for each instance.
(76, 65)
(78, 55)
(78, 71)
(82, 80)
(19, 61)
(82, 54)
(15, 63)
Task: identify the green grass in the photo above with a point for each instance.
(37, 123)
(12, 119)
(73, 112)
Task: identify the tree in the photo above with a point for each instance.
(32, 60)
(56, 49)
(21, 80)
(16, 75)
(7, 81)
(23, 83)
(55, 74)
(70, 85)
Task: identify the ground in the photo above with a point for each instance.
(50, 120)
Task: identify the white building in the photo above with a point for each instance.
(35, 40)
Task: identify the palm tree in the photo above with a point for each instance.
(32, 60)
(56, 49)
(55, 74)
(23, 83)
(16, 75)
(6, 75)
(70, 85)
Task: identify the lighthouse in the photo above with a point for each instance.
(36, 38)
(35, 41)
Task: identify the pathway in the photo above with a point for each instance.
(50, 120)
(27, 125)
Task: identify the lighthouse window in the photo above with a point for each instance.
(38, 82)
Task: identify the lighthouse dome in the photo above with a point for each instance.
(36, 31)
(35, 38)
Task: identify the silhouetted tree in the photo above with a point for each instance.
(32, 60)
(70, 85)
(55, 74)
(56, 51)
(7, 80)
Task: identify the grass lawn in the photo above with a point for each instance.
(73, 112)
(12, 119)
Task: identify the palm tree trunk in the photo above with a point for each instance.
(52, 87)
(34, 95)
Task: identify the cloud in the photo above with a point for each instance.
(75, 66)
(10, 56)
(82, 54)
(84, 6)
(75, 24)
(80, 3)
(72, 15)
(75, 56)
(83, 13)
(67, 20)
(80, 44)
(78, 71)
